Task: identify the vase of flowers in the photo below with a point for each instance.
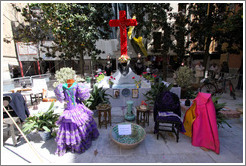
(99, 77)
(138, 82)
(149, 77)
(110, 81)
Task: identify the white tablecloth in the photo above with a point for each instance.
(121, 100)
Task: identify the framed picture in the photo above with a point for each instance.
(116, 93)
(134, 93)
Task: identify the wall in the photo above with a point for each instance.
(9, 55)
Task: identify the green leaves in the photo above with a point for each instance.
(220, 118)
(41, 121)
(155, 90)
(98, 95)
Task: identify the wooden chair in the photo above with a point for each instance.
(167, 114)
(39, 86)
(7, 120)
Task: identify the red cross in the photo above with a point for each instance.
(122, 23)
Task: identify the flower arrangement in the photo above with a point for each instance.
(138, 83)
(99, 77)
(124, 58)
(110, 80)
(149, 77)
(143, 105)
(65, 74)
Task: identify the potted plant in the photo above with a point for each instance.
(43, 122)
(138, 82)
(99, 77)
(184, 78)
(110, 81)
(98, 95)
(219, 116)
(155, 89)
(149, 77)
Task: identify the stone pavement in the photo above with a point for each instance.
(151, 150)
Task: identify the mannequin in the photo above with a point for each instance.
(70, 82)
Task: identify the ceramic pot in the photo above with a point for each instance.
(187, 102)
(45, 135)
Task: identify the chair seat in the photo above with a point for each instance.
(166, 117)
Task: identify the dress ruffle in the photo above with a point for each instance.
(77, 130)
(76, 138)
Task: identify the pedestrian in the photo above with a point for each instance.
(139, 66)
(213, 70)
(240, 78)
(199, 69)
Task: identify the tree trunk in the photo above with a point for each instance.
(164, 66)
(82, 64)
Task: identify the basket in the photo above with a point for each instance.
(128, 141)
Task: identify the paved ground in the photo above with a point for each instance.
(151, 150)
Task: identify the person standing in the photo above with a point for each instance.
(240, 78)
(139, 66)
(108, 67)
(199, 72)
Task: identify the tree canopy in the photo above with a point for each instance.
(74, 28)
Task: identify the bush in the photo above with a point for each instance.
(184, 77)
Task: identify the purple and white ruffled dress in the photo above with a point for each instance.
(77, 128)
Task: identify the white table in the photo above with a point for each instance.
(121, 100)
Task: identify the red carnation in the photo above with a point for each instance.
(111, 76)
(144, 72)
(140, 75)
(133, 77)
(114, 78)
(109, 79)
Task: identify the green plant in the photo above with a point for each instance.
(184, 77)
(149, 77)
(137, 83)
(218, 107)
(42, 121)
(110, 80)
(155, 90)
(99, 77)
(98, 95)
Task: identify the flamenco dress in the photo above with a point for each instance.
(77, 128)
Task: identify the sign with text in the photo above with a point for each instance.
(125, 129)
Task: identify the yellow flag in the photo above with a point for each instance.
(140, 44)
(131, 29)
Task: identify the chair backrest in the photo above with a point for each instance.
(6, 101)
(167, 102)
(38, 85)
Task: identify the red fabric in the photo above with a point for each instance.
(122, 23)
(38, 68)
(21, 67)
(205, 131)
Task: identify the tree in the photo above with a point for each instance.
(74, 27)
(157, 14)
(215, 21)
(179, 33)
